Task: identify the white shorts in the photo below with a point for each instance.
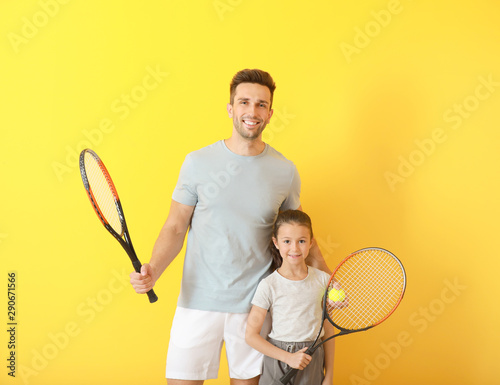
(196, 340)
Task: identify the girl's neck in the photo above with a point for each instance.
(293, 273)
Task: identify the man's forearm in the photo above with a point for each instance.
(166, 248)
(315, 258)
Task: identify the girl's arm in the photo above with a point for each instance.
(329, 353)
(297, 360)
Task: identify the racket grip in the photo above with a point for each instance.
(288, 376)
(137, 266)
(152, 296)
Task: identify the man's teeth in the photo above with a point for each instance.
(250, 123)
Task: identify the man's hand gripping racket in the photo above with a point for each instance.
(106, 203)
(374, 283)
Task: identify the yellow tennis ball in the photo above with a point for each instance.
(336, 295)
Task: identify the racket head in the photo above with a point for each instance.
(102, 192)
(374, 282)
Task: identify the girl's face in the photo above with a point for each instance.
(293, 243)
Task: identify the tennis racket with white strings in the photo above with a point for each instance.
(106, 203)
(374, 282)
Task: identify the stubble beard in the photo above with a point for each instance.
(244, 133)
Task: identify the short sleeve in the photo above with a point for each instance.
(262, 297)
(185, 190)
(325, 277)
(292, 201)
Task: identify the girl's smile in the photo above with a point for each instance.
(293, 243)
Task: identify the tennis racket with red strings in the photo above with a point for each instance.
(106, 203)
(374, 282)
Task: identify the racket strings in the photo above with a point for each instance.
(102, 191)
(374, 299)
(374, 283)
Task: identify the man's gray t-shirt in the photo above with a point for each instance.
(236, 199)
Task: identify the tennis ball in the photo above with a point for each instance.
(336, 295)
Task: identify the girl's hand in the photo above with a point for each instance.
(338, 304)
(299, 360)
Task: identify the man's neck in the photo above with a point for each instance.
(244, 147)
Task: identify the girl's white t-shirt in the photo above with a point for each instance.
(295, 306)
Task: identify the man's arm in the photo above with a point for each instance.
(315, 258)
(167, 246)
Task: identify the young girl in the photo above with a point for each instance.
(293, 295)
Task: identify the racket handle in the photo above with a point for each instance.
(292, 372)
(152, 296)
(288, 376)
(137, 266)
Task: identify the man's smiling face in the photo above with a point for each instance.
(251, 110)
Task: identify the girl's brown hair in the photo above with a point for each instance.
(296, 217)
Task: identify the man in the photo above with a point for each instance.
(228, 196)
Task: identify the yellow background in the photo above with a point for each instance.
(379, 104)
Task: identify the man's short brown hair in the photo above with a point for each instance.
(252, 76)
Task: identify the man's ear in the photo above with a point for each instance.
(270, 114)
